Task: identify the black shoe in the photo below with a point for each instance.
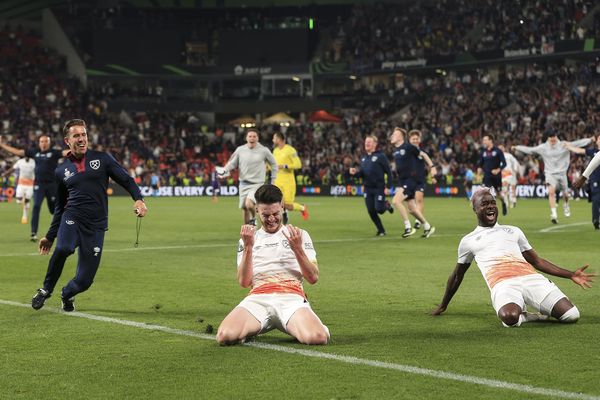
(504, 209)
(285, 218)
(554, 221)
(38, 299)
(33, 237)
(597, 225)
(68, 305)
(380, 233)
(389, 207)
(417, 224)
(408, 232)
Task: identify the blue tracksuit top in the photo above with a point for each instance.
(82, 186)
(373, 168)
(406, 156)
(491, 159)
(45, 163)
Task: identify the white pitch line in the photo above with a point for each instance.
(493, 383)
(560, 227)
(234, 245)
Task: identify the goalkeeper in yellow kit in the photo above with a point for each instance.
(287, 161)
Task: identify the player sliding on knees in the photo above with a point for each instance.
(507, 263)
(274, 260)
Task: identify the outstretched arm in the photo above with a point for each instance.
(452, 286)
(594, 163)
(578, 276)
(12, 150)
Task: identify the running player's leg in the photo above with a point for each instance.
(596, 209)
(398, 202)
(38, 199)
(370, 203)
(552, 203)
(563, 185)
(90, 251)
(66, 242)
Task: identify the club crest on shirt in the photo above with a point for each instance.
(286, 244)
(507, 230)
(402, 152)
(374, 158)
(308, 246)
(68, 174)
(95, 164)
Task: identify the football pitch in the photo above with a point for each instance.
(146, 327)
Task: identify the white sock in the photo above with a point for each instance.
(407, 224)
(426, 226)
(553, 212)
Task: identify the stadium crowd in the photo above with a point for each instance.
(454, 110)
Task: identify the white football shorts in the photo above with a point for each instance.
(24, 192)
(559, 181)
(273, 310)
(535, 290)
(247, 190)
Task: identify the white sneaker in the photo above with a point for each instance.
(567, 210)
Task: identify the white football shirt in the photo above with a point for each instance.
(26, 171)
(274, 265)
(497, 251)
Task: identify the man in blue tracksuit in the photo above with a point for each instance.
(81, 214)
(492, 162)
(377, 178)
(46, 159)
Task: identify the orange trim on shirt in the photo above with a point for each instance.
(294, 287)
(25, 182)
(507, 268)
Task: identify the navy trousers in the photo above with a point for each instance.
(89, 241)
(42, 191)
(375, 202)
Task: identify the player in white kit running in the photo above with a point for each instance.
(24, 193)
(274, 260)
(507, 262)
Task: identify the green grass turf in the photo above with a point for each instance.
(374, 294)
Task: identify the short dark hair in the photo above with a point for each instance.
(252, 130)
(268, 194)
(72, 122)
(490, 136)
(280, 135)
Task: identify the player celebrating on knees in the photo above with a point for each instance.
(507, 263)
(274, 260)
(81, 214)
(287, 162)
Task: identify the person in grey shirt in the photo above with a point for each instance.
(556, 163)
(250, 160)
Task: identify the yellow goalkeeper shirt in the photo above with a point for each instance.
(288, 157)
